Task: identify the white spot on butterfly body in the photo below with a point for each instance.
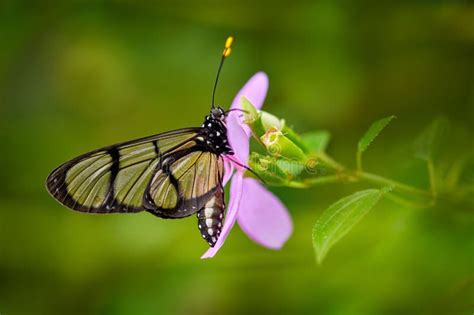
(208, 212)
(209, 222)
(210, 231)
(218, 133)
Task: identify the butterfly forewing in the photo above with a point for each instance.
(168, 167)
(132, 181)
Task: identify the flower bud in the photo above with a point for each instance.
(252, 117)
(268, 169)
(270, 121)
(262, 123)
(250, 112)
(278, 145)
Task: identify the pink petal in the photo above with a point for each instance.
(238, 138)
(231, 215)
(263, 217)
(254, 90)
(228, 171)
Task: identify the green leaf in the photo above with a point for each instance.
(372, 133)
(374, 130)
(431, 138)
(316, 141)
(337, 220)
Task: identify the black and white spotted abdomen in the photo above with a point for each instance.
(211, 217)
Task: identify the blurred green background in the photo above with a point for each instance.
(78, 75)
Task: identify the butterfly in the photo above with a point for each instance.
(170, 175)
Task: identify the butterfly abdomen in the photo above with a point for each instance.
(211, 216)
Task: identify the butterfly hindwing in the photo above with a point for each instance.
(167, 174)
(185, 185)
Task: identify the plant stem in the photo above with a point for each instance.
(323, 180)
(408, 203)
(328, 161)
(431, 174)
(343, 175)
(377, 179)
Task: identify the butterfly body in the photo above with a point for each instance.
(211, 216)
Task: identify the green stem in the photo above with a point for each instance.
(431, 174)
(315, 181)
(380, 180)
(297, 184)
(344, 175)
(408, 203)
(323, 180)
(328, 161)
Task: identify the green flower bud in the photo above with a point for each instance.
(292, 168)
(294, 137)
(267, 169)
(270, 121)
(250, 112)
(252, 117)
(278, 145)
(264, 124)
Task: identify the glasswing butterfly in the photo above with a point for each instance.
(171, 175)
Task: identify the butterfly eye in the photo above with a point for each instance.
(217, 113)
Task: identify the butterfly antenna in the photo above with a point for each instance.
(247, 168)
(225, 54)
(235, 109)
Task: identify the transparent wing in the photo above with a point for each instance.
(152, 173)
(185, 185)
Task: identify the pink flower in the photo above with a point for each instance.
(260, 214)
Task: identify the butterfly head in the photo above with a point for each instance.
(215, 121)
(214, 132)
(218, 113)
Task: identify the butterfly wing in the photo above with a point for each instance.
(170, 175)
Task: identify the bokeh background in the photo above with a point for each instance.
(77, 75)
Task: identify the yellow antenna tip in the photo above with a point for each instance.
(229, 41)
(227, 48)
